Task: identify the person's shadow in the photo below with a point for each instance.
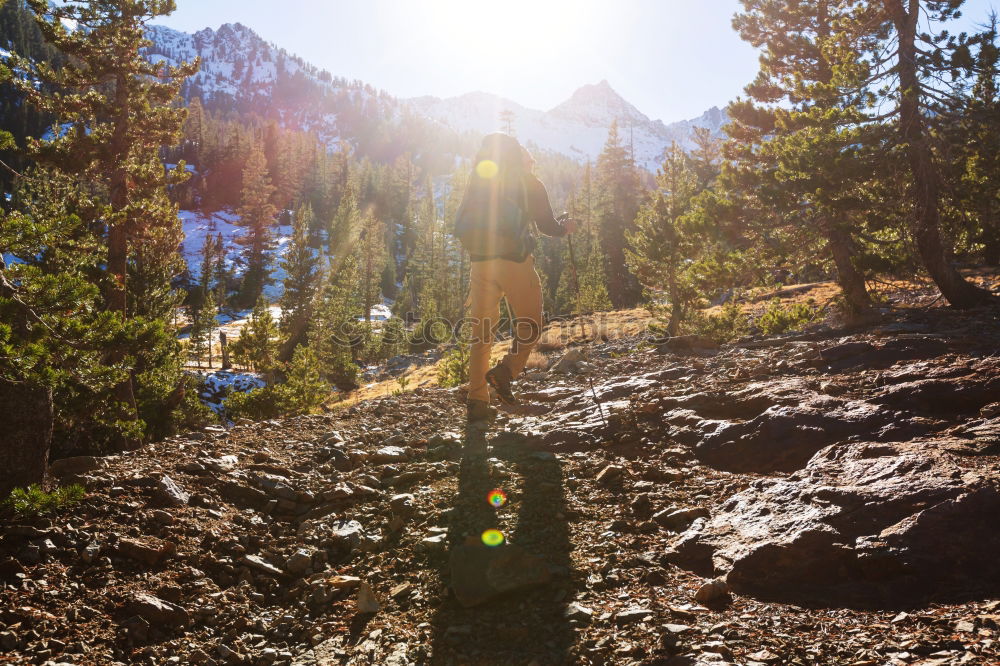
(523, 626)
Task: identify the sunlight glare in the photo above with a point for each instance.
(509, 36)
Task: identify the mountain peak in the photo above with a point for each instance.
(598, 104)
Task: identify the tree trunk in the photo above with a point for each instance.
(850, 279)
(925, 187)
(25, 436)
(224, 346)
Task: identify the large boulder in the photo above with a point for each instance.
(870, 524)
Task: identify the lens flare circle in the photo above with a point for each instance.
(497, 498)
(493, 538)
(487, 169)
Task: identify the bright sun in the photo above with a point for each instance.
(510, 35)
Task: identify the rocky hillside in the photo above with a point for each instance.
(821, 498)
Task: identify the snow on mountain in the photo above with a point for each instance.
(239, 66)
(577, 128)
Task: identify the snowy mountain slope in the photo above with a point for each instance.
(578, 127)
(241, 70)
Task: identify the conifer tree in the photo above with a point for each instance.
(257, 217)
(257, 346)
(911, 62)
(301, 266)
(661, 246)
(114, 111)
(794, 143)
(617, 202)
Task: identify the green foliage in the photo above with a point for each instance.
(729, 324)
(257, 346)
(453, 369)
(778, 318)
(301, 393)
(301, 265)
(33, 501)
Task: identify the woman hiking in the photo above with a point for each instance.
(502, 202)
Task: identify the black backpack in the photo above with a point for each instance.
(492, 220)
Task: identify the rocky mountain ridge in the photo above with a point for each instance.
(242, 70)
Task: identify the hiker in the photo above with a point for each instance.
(494, 223)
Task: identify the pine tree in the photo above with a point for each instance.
(911, 63)
(202, 327)
(301, 266)
(661, 246)
(257, 346)
(114, 109)
(257, 217)
(616, 205)
(794, 143)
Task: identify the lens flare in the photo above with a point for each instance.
(493, 538)
(497, 498)
(487, 169)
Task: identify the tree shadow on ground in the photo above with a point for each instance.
(521, 627)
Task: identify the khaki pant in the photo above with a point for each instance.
(492, 280)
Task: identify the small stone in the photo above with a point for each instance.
(168, 492)
(400, 591)
(633, 616)
(679, 519)
(610, 475)
(299, 562)
(579, 612)
(711, 591)
(366, 600)
(403, 505)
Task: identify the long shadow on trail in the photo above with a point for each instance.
(521, 627)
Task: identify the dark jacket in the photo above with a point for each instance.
(539, 211)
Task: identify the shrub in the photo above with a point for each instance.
(778, 318)
(454, 367)
(729, 324)
(303, 391)
(33, 501)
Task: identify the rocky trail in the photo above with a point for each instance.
(821, 498)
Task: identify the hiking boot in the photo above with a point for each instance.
(480, 413)
(500, 379)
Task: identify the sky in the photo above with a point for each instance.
(672, 59)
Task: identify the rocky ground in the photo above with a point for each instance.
(821, 498)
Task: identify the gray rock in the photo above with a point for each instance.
(169, 493)
(299, 562)
(156, 611)
(76, 466)
(902, 514)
